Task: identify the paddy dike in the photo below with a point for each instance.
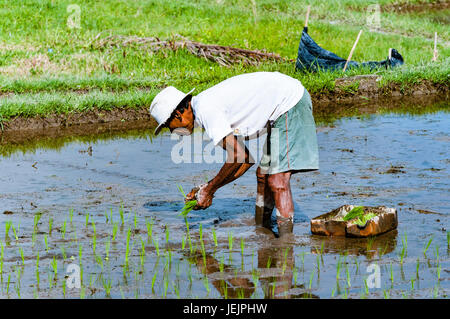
(348, 92)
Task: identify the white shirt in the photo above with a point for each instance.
(243, 104)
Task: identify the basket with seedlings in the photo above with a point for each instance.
(355, 221)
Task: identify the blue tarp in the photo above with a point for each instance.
(311, 57)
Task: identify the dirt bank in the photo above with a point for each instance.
(348, 92)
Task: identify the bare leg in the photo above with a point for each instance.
(264, 200)
(281, 189)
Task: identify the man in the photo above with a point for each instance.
(243, 106)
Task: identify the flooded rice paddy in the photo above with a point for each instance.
(106, 208)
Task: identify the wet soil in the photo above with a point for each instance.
(59, 181)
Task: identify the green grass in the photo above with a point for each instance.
(48, 68)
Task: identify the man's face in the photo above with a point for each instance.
(183, 123)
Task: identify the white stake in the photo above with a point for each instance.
(435, 52)
(353, 49)
(307, 15)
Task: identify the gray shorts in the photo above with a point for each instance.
(292, 141)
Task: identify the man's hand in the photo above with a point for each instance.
(202, 194)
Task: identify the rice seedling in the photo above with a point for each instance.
(154, 280)
(142, 254)
(391, 274)
(188, 206)
(8, 225)
(71, 215)
(438, 272)
(310, 280)
(427, 246)
(7, 284)
(214, 236)
(127, 251)
(22, 255)
(183, 243)
(99, 261)
(149, 230)
(403, 252)
(206, 284)
(386, 294)
(37, 269)
(135, 219)
(63, 230)
(106, 217)
(338, 268)
(412, 283)
(50, 225)
(155, 243)
(437, 254)
(2, 257)
(269, 262)
(54, 265)
(107, 247)
(46, 242)
(242, 246)
(417, 268)
(295, 275)
(114, 232)
(63, 285)
(176, 290)
(230, 241)
(168, 234)
(348, 277)
(370, 241)
(86, 222)
(355, 212)
(121, 214)
(222, 264)
(15, 232)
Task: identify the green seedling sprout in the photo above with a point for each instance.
(54, 265)
(2, 257)
(127, 251)
(63, 230)
(99, 261)
(214, 236)
(357, 211)
(46, 242)
(37, 269)
(121, 214)
(114, 232)
(392, 274)
(107, 246)
(87, 220)
(22, 256)
(188, 206)
(8, 225)
(242, 246)
(149, 230)
(154, 280)
(230, 241)
(7, 284)
(155, 242)
(167, 234)
(417, 268)
(15, 232)
(71, 215)
(183, 243)
(50, 225)
(142, 255)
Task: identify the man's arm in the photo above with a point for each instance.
(238, 162)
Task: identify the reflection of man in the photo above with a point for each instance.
(243, 106)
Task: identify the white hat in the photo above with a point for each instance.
(164, 103)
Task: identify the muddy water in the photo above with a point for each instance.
(397, 160)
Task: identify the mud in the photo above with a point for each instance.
(62, 179)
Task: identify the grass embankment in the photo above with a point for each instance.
(47, 67)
